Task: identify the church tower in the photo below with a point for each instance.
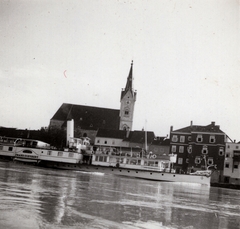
(128, 99)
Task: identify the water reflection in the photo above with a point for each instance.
(32, 197)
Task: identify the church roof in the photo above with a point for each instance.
(107, 133)
(129, 84)
(87, 117)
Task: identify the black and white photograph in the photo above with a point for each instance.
(119, 114)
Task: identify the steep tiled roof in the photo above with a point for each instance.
(107, 133)
(195, 128)
(88, 117)
(161, 141)
(139, 136)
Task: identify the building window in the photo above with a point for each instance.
(212, 139)
(174, 149)
(221, 152)
(197, 160)
(182, 138)
(199, 138)
(204, 150)
(187, 160)
(236, 147)
(190, 149)
(105, 142)
(228, 146)
(113, 142)
(235, 166)
(181, 149)
(98, 141)
(174, 138)
(227, 154)
(226, 165)
(210, 161)
(189, 138)
(180, 161)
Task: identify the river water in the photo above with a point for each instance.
(33, 197)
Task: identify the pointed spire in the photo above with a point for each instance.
(129, 84)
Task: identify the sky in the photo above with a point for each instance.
(186, 60)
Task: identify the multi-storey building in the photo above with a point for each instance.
(232, 163)
(198, 147)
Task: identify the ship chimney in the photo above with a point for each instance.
(70, 130)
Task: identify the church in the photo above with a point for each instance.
(88, 120)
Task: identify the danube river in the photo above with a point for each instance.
(33, 197)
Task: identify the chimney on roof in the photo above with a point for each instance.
(191, 123)
(171, 128)
(213, 123)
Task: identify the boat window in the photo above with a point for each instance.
(70, 154)
(49, 152)
(27, 151)
(10, 148)
(60, 154)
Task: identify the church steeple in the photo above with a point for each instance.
(128, 98)
(129, 84)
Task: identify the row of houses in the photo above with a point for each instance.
(196, 147)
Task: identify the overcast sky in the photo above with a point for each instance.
(186, 60)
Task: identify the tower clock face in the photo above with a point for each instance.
(128, 102)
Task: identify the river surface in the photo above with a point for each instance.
(33, 197)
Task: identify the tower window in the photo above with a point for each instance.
(126, 112)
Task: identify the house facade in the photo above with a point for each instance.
(198, 147)
(232, 163)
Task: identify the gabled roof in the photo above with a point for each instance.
(195, 128)
(161, 141)
(87, 117)
(107, 133)
(137, 136)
